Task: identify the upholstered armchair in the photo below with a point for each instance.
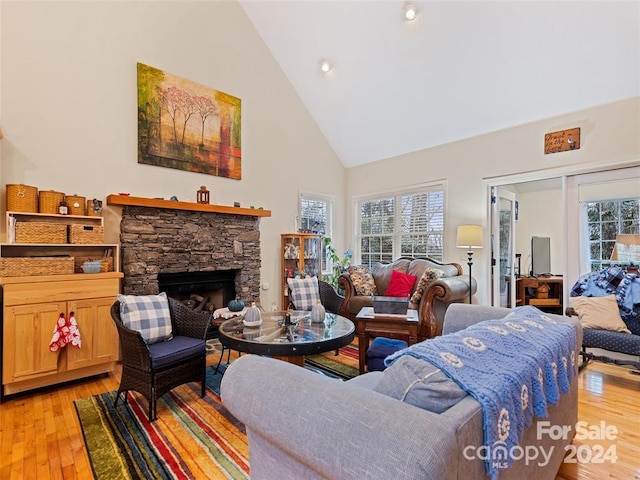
(451, 286)
(153, 369)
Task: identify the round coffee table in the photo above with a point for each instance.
(290, 343)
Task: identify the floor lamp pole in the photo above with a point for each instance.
(470, 262)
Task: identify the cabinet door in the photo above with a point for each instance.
(27, 333)
(98, 333)
(311, 256)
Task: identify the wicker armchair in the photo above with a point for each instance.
(331, 300)
(153, 370)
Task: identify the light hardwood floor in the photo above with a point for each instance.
(40, 437)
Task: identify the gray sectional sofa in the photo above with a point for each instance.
(302, 425)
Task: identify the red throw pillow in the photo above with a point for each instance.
(400, 285)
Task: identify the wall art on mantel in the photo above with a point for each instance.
(187, 126)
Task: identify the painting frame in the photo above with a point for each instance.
(187, 126)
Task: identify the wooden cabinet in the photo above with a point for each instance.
(31, 307)
(301, 256)
(32, 301)
(544, 293)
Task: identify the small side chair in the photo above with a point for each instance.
(153, 370)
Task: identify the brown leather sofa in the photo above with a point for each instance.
(452, 287)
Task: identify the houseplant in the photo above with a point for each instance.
(338, 265)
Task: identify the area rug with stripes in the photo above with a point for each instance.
(192, 437)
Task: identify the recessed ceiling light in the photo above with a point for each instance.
(410, 11)
(325, 66)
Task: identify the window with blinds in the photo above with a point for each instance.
(406, 224)
(316, 215)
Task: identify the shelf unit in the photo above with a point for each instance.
(12, 249)
(301, 255)
(31, 305)
(526, 293)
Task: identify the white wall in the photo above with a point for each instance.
(68, 90)
(540, 215)
(609, 135)
(68, 84)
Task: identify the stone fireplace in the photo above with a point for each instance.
(175, 242)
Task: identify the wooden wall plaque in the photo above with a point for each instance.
(562, 140)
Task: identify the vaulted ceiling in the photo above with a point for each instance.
(460, 69)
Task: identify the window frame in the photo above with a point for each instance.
(329, 200)
(586, 232)
(398, 234)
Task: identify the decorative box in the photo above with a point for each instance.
(390, 305)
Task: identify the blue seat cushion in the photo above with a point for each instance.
(175, 350)
(613, 341)
(380, 349)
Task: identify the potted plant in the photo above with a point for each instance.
(338, 265)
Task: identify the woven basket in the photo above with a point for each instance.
(91, 234)
(36, 232)
(106, 263)
(28, 266)
(50, 201)
(76, 204)
(22, 198)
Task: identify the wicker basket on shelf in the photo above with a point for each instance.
(76, 204)
(22, 198)
(37, 232)
(31, 266)
(87, 234)
(50, 201)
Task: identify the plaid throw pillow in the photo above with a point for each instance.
(147, 314)
(304, 292)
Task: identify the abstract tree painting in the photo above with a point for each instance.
(187, 126)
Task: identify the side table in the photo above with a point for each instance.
(370, 325)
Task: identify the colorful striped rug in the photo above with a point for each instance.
(192, 438)
(342, 366)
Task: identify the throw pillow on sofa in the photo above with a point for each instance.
(420, 384)
(362, 280)
(400, 284)
(429, 275)
(602, 313)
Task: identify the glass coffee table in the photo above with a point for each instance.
(288, 342)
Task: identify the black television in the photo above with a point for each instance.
(540, 256)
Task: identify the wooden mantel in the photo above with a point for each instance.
(125, 200)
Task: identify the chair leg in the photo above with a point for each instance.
(220, 359)
(119, 395)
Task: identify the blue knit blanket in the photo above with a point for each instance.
(514, 367)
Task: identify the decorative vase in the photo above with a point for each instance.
(318, 313)
(253, 317)
(236, 305)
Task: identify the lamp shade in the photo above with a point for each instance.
(469, 236)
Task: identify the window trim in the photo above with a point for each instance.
(330, 201)
(440, 185)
